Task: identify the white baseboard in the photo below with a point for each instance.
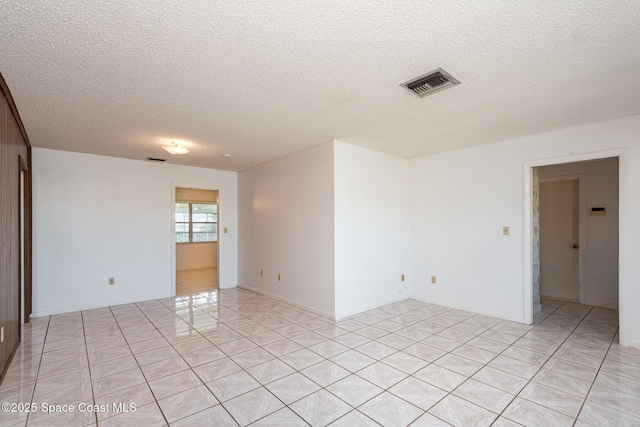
(471, 309)
(374, 306)
(110, 303)
(288, 301)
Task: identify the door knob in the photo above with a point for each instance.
(576, 246)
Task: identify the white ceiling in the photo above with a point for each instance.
(262, 79)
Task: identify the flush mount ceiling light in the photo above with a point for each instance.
(431, 82)
(226, 155)
(176, 148)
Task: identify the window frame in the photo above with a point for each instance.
(191, 222)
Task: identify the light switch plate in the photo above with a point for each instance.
(505, 231)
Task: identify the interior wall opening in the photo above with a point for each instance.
(575, 245)
(196, 240)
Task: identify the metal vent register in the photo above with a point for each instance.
(431, 82)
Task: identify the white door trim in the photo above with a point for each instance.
(623, 240)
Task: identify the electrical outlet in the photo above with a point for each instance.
(2, 334)
(402, 277)
(112, 281)
(225, 230)
(433, 280)
(505, 231)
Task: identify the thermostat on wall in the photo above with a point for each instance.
(598, 212)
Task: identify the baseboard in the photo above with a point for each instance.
(374, 306)
(634, 344)
(288, 301)
(62, 310)
(471, 309)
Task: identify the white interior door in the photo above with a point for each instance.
(559, 237)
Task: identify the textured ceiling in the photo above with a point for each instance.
(261, 80)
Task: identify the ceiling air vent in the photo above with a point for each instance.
(431, 82)
(155, 159)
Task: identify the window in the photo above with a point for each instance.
(196, 222)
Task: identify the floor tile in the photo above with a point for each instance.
(528, 413)
(376, 350)
(354, 390)
(352, 340)
(459, 412)
(292, 388)
(484, 395)
(562, 382)
(354, 419)
(204, 344)
(215, 416)
(382, 375)
(502, 380)
(251, 358)
(147, 415)
(252, 406)
(614, 399)
(217, 369)
(571, 369)
(118, 381)
(325, 373)
(428, 420)
(320, 408)
(187, 403)
(302, 359)
(283, 347)
(418, 393)
(285, 417)
(405, 362)
(352, 360)
(174, 384)
(270, 371)
(390, 410)
(459, 364)
(514, 366)
(440, 377)
(233, 385)
(139, 395)
(163, 368)
(602, 416)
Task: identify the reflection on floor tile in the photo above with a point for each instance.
(232, 357)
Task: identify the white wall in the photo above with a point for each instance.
(285, 212)
(97, 217)
(371, 229)
(600, 249)
(192, 256)
(461, 200)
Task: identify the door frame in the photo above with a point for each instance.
(624, 270)
(25, 297)
(582, 229)
(175, 185)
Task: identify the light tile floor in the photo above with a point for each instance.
(194, 281)
(230, 357)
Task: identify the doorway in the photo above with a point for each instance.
(578, 218)
(196, 240)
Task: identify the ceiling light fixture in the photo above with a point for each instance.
(176, 148)
(226, 156)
